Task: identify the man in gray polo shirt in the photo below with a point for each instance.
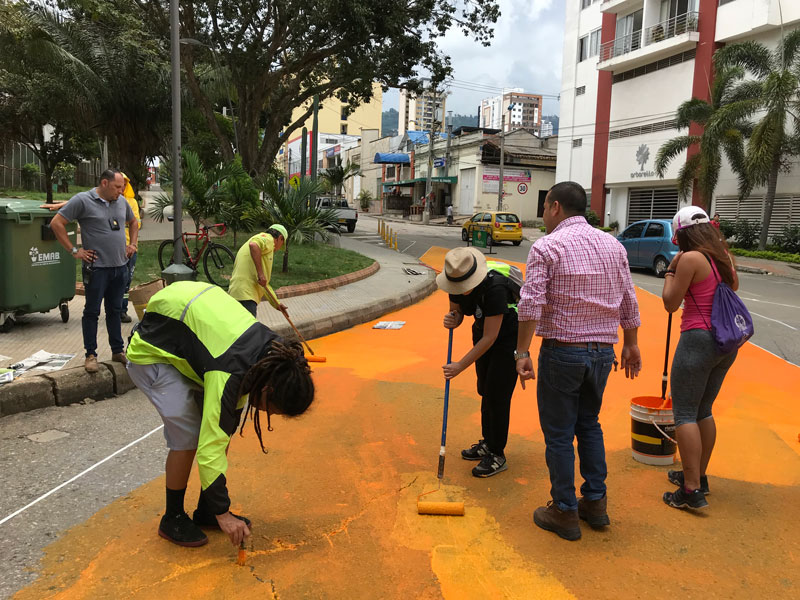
(102, 214)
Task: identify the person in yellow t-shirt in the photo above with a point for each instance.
(252, 269)
(131, 198)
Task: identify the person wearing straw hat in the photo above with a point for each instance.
(252, 269)
(483, 291)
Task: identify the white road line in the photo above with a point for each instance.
(81, 474)
(774, 320)
(768, 302)
(407, 247)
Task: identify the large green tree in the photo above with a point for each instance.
(722, 134)
(775, 139)
(38, 107)
(279, 54)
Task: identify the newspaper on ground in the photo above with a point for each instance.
(6, 375)
(43, 361)
(388, 324)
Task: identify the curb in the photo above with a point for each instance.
(70, 386)
(754, 270)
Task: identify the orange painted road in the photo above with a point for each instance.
(334, 502)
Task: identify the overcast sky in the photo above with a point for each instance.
(525, 52)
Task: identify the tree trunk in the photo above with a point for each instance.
(48, 181)
(285, 257)
(769, 201)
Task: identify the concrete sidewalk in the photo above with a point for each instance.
(315, 315)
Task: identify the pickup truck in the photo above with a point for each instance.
(346, 216)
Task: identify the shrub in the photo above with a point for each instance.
(767, 255)
(364, 199)
(543, 229)
(592, 218)
(727, 228)
(614, 225)
(606, 229)
(28, 174)
(746, 233)
(63, 174)
(788, 240)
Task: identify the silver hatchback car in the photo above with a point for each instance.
(649, 245)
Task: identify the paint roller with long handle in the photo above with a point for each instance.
(442, 508)
(313, 357)
(665, 377)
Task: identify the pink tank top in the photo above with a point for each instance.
(697, 311)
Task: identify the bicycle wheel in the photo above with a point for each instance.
(166, 252)
(218, 265)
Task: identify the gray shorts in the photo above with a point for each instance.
(177, 400)
(698, 370)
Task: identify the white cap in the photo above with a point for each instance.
(688, 216)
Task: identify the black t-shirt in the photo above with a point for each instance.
(489, 299)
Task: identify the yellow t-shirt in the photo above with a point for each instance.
(244, 281)
(131, 198)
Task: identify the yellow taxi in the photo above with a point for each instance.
(500, 225)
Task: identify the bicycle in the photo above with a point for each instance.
(217, 258)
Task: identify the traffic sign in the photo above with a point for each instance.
(522, 188)
(438, 162)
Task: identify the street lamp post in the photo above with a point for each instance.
(176, 271)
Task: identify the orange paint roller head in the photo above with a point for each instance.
(313, 358)
(453, 509)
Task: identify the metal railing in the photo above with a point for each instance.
(621, 45)
(685, 23)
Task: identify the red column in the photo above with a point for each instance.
(703, 75)
(601, 126)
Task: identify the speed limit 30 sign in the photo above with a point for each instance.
(522, 188)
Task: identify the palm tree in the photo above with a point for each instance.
(203, 198)
(290, 206)
(336, 176)
(721, 134)
(776, 134)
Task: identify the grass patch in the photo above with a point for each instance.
(767, 255)
(41, 196)
(307, 262)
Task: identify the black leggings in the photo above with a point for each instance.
(497, 378)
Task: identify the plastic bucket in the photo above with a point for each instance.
(652, 431)
(140, 295)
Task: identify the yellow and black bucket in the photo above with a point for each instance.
(652, 430)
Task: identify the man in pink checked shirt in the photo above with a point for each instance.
(578, 291)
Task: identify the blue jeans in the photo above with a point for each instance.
(103, 284)
(131, 268)
(570, 386)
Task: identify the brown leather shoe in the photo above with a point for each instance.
(565, 523)
(90, 364)
(594, 511)
(120, 358)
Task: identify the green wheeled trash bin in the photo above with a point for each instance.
(36, 273)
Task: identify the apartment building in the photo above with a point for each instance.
(628, 65)
(419, 113)
(525, 113)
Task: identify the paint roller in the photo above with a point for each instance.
(242, 556)
(665, 376)
(455, 509)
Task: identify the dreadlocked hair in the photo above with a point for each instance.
(285, 375)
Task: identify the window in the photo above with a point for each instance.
(654, 230)
(580, 91)
(577, 143)
(344, 129)
(655, 203)
(588, 3)
(390, 171)
(589, 45)
(487, 217)
(633, 232)
(330, 141)
(507, 218)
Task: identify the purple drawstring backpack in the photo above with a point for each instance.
(731, 323)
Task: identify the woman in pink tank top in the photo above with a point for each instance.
(698, 368)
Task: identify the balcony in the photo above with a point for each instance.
(619, 6)
(669, 37)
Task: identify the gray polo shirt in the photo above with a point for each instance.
(97, 218)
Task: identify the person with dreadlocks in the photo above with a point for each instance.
(200, 357)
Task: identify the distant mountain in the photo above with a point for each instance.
(389, 122)
(465, 121)
(554, 120)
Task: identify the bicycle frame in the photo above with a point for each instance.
(194, 258)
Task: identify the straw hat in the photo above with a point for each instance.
(464, 269)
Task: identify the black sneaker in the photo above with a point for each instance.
(179, 529)
(676, 477)
(680, 498)
(491, 464)
(125, 318)
(208, 520)
(476, 451)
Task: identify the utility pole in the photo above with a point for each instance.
(176, 271)
(447, 148)
(426, 213)
(303, 153)
(500, 190)
(312, 200)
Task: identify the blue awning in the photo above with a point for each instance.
(385, 158)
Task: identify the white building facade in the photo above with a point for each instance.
(420, 113)
(525, 113)
(628, 65)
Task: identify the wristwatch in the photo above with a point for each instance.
(74, 251)
(518, 355)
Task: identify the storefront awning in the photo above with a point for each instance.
(386, 158)
(413, 182)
